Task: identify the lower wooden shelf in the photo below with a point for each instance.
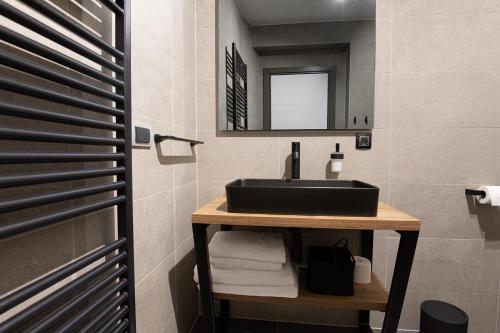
(372, 296)
(238, 325)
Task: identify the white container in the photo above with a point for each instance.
(336, 159)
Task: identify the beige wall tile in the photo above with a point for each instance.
(205, 54)
(184, 249)
(446, 99)
(429, 7)
(164, 95)
(444, 156)
(94, 230)
(383, 47)
(184, 99)
(184, 171)
(185, 205)
(184, 36)
(478, 306)
(150, 176)
(446, 43)
(171, 327)
(225, 158)
(445, 211)
(151, 80)
(155, 21)
(207, 191)
(384, 8)
(205, 13)
(475, 271)
(379, 264)
(383, 100)
(498, 307)
(153, 231)
(39, 252)
(154, 302)
(186, 293)
(206, 100)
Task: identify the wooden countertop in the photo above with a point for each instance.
(388, 218)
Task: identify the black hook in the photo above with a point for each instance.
(482, 194)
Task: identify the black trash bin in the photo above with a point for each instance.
(441, 317)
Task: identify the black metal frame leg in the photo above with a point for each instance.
(205, 280)
(367, 252)
(225, 307)
(400, 277)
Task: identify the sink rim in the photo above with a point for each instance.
(238, 183)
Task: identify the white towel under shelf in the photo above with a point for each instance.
(231, 263)
(257, 246)
(245, 277)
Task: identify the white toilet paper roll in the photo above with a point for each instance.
(362, 270)
(492, 195)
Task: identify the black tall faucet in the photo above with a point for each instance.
(295, 234)
(295, 160)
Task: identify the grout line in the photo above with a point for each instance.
(195, 15)
(279, 154)
(446, 127)
(184, 242)
(159, 193)
(445, 72)
(389, 151)
(154, 194)
(183, 185)
(137, 283)
(433, 184)
(140, 115)
(452, 14)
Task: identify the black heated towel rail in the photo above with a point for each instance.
(93, 79)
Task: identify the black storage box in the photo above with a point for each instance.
(331, 270)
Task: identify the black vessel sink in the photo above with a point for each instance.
(297, 196)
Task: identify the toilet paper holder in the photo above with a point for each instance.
(482, 194)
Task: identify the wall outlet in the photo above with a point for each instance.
(141, 135)
(363, 140)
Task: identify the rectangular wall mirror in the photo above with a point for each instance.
(295, 65)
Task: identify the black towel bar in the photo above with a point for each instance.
(482, 194)
(159, 138)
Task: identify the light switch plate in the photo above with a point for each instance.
(141, 135)
(363, 140)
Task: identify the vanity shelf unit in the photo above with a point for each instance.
(369, 297)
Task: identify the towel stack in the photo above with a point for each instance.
(252, 264)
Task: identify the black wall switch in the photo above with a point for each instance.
(141, 135)
(363, 140)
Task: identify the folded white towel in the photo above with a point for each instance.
(230, 263)
(257, 246)
(287, 291)
(245, 277)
